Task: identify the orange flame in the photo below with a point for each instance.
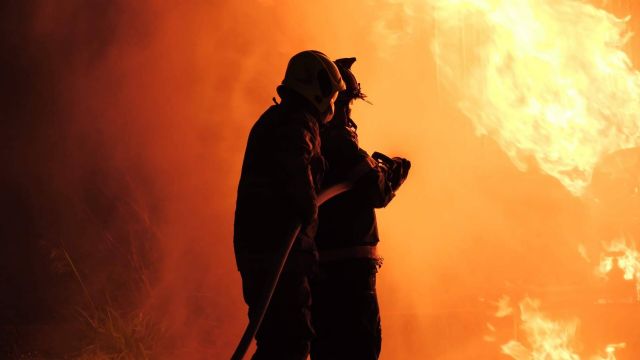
(546, 79)
(504, 308)
(610, 351)
(626, 257)
(548, 339)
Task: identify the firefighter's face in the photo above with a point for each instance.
(328, 114)
(343, 110)
(347, 109)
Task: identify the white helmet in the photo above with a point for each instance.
(314, 76)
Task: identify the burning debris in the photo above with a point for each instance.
(547, 80)
(548, 339)
(610, 351)
(623, 256)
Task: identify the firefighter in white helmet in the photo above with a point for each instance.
(280, 178)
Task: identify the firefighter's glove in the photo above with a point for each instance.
(399, 172)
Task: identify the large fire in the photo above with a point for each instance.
(550, 82)
(547, 79)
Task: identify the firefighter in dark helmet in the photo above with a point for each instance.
(345, 309)
(280, 177)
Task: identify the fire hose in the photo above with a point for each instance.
(255, 321)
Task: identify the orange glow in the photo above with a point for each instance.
(127, 123)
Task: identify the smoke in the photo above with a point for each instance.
(123, 129)
(124, 126)
(118, 184)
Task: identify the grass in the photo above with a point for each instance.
(116, 334)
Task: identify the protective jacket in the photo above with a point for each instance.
(345, 309)
(281, 174)
(349, 219)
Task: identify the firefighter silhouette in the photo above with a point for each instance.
(345, 309)
(280, 176)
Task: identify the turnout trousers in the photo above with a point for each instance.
(345, 311)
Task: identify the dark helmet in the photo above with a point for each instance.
(353, 90)
(314, 76)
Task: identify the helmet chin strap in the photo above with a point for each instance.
(327, 115)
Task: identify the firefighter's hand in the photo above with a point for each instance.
(406, 165)
(400, 171)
